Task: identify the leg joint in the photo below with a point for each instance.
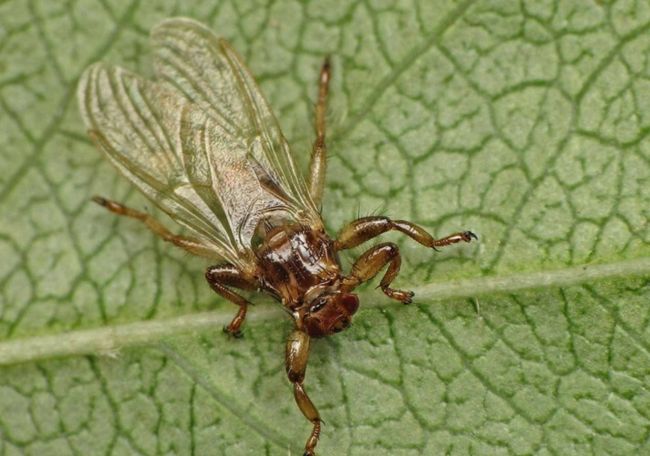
(295, 377)
(386, 249)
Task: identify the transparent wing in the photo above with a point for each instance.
(179, 157)
(210, 74)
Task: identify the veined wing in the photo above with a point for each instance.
(179, 157)
(210, 74)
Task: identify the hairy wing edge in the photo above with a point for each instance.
(127, 135)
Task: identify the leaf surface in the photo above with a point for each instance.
(526, 122)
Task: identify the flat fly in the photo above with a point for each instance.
(200, 141)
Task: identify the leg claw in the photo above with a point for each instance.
(236, 334)
(405, 297)
(468, 235)
(100, 200)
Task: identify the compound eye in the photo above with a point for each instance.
(350, 302)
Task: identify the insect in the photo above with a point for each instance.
(201, 143)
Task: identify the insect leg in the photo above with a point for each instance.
(370, 263)
(365, 228)
(296, 355)
(318, 165)
(191, 245)
(220, 278)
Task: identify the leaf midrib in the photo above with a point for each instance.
(109, 340)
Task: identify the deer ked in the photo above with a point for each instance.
(201, 142)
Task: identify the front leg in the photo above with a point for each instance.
(366, 228)
(370, 263)
(220, 278)
(296, 355)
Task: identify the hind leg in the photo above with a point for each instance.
(191, 245)
(318, 164)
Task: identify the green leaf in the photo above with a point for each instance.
(526, 122)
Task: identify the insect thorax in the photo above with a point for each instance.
(292, 259)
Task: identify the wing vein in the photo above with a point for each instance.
(200, 140)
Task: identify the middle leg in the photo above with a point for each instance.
(366, 228)
(220, 278)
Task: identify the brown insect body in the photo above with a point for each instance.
(300, 267)
(201, 143)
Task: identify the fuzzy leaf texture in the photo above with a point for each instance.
(526, 122)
